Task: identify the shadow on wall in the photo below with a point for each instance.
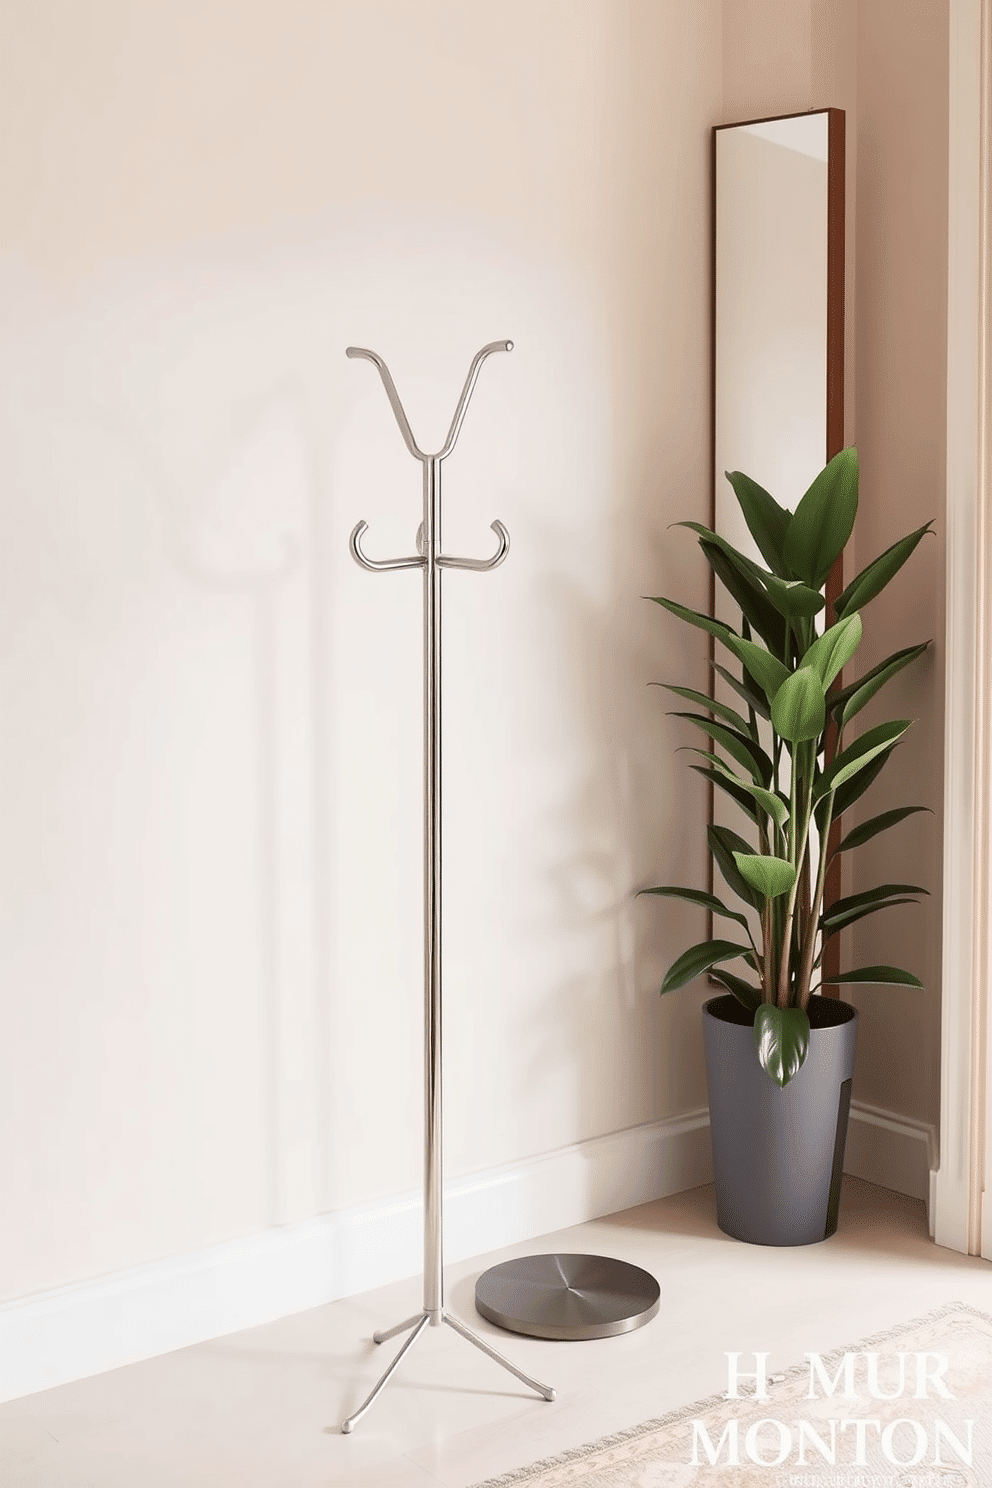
(600, 1027)
(164, 707)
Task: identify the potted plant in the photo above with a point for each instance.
(779, 1054)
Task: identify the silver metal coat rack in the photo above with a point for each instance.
(432, 562)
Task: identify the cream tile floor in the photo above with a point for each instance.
(262, 1409)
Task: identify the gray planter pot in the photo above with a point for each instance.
(778, 1155)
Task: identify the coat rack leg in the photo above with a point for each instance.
(385, 1336)
(480, 1343)
(356, 1416)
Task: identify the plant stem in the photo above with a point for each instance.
(797, 851)
(806, 965)
(809, 942)
(804, 900)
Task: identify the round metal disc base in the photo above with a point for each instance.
(567, 1296)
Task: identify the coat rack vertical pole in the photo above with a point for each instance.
(433, 1155)
(432, 561)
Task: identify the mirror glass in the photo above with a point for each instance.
(778, 329)
(771, 310)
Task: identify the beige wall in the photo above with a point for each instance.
(210, 852)
(901, 239)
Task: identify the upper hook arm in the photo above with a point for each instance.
(392, 395)
(473, 372)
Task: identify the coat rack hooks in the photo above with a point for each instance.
(432, 561)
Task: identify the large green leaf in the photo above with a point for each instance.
(766, 669)
(794, 601)
(773, 805)
(876, 895)
(693, 617)
(749, 755)
(877, 678)
(876, 824)
(750, 597)
(723, 844)
(700, 958)
(749, 996)
(767, 522)
(879, 976)
(801, 637)
(823, 521)
(799, 707)
(726, 783)
(745, 566)
(697, 896)
(781, 1037)
(884, 670)
(701, 700)
(873, 579)
(744, 689)
(833, 650)
(841, 922)
(771, 876)
(721, 765)
(852, 790)
(859, 754)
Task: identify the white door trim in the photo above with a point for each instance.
(982, 999)
(961, 1178)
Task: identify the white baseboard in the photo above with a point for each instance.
(76, 1331)
(891, 1150)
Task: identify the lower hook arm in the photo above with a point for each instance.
(481, 565)
(373, 564)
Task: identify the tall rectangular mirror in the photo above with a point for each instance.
(778, 329)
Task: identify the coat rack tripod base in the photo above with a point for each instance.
(418, 1324)
(431, 561)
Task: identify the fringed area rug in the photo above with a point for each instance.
(909, 1408)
